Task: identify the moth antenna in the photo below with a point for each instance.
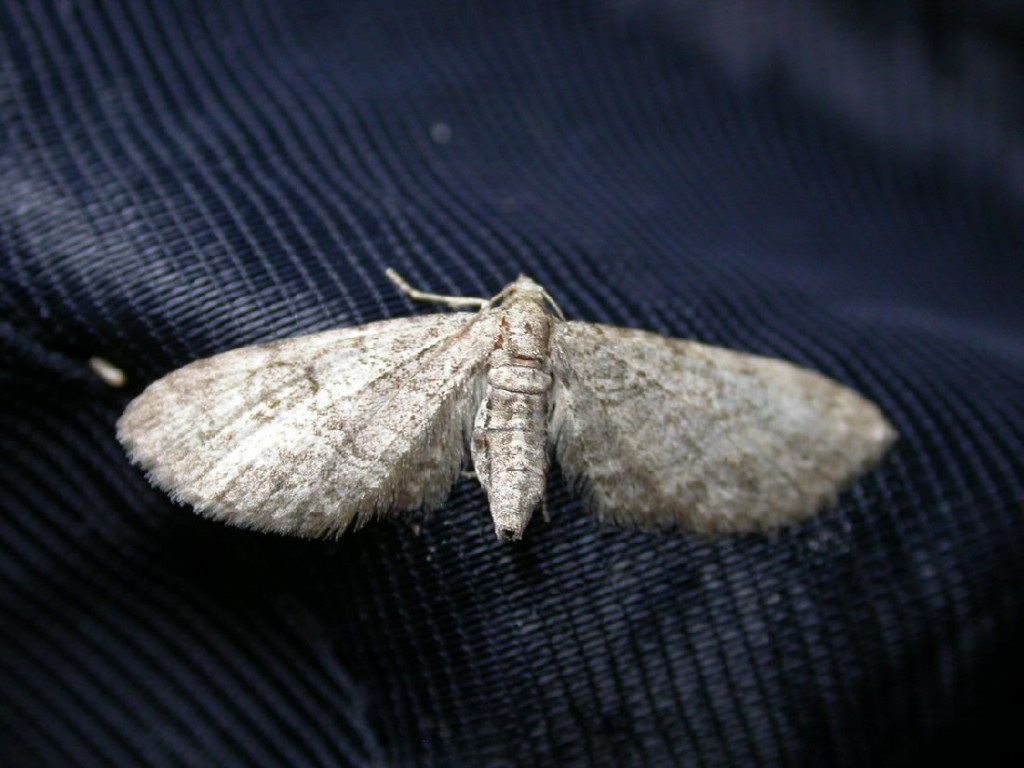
(553, 304)
(453, 302)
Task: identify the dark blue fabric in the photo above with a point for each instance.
(836, 184)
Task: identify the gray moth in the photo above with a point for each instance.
(319, 434)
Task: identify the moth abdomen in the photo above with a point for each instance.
(510, 436)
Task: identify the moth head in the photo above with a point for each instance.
(528, 289)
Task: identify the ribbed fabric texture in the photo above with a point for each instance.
(839, 187)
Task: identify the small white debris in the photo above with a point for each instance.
(441, 133)
(111, 375)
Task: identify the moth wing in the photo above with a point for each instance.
(658, 431)
(314, 434)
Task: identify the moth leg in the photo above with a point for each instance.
(468, 474)
(454, 302)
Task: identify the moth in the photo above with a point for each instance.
(319, 434)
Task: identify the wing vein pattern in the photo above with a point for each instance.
(320, 433)
(662, 432)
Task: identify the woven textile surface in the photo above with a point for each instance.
(838, 185)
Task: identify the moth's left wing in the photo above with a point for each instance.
(315, 434)
(658, 431)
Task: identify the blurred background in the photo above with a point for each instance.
(836, 183)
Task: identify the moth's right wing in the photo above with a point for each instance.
(658, 431)
(314, 434)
